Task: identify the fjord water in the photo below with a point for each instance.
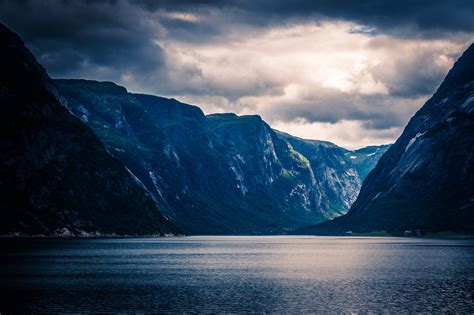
(288, 274)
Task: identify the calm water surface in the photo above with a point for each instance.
(282, 274)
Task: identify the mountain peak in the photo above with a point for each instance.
(461, 73)
(20, 71)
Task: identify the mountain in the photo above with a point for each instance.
(221, 173)
(336, 177)
(56, 177)
(365, 159)
(425, 181)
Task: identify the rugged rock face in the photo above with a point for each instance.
(425, 180)
(338, 172)
(220, 173)
(336, 181)
(365, 159)
(56, 178)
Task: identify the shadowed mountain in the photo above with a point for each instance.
(56, 177)
(425, 180)
(221, 173)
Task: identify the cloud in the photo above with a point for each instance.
(418, 18)
(417, 67)
(367, 65)
(330, 106)
(317, 73)
(349, 134)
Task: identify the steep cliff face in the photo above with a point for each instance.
(338, 172)
(335, 176)
(425, 180)
(131, 135)
(55, 175)
(220, 173)
(267, 170)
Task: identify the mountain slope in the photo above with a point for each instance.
(335, 176)
(55, 175)
(425, 180)
(223, 189)
(215, 174)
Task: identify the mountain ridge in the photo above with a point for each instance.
(251, 161)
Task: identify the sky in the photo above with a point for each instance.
(350, 72)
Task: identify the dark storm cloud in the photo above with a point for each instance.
(73, 37)
(424, 17)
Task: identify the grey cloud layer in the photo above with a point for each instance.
(329, 105)
(131, 42)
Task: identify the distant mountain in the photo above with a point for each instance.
(425, 181)
(222, 173)
(56, 177)
(365, 159)
(338, 172)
